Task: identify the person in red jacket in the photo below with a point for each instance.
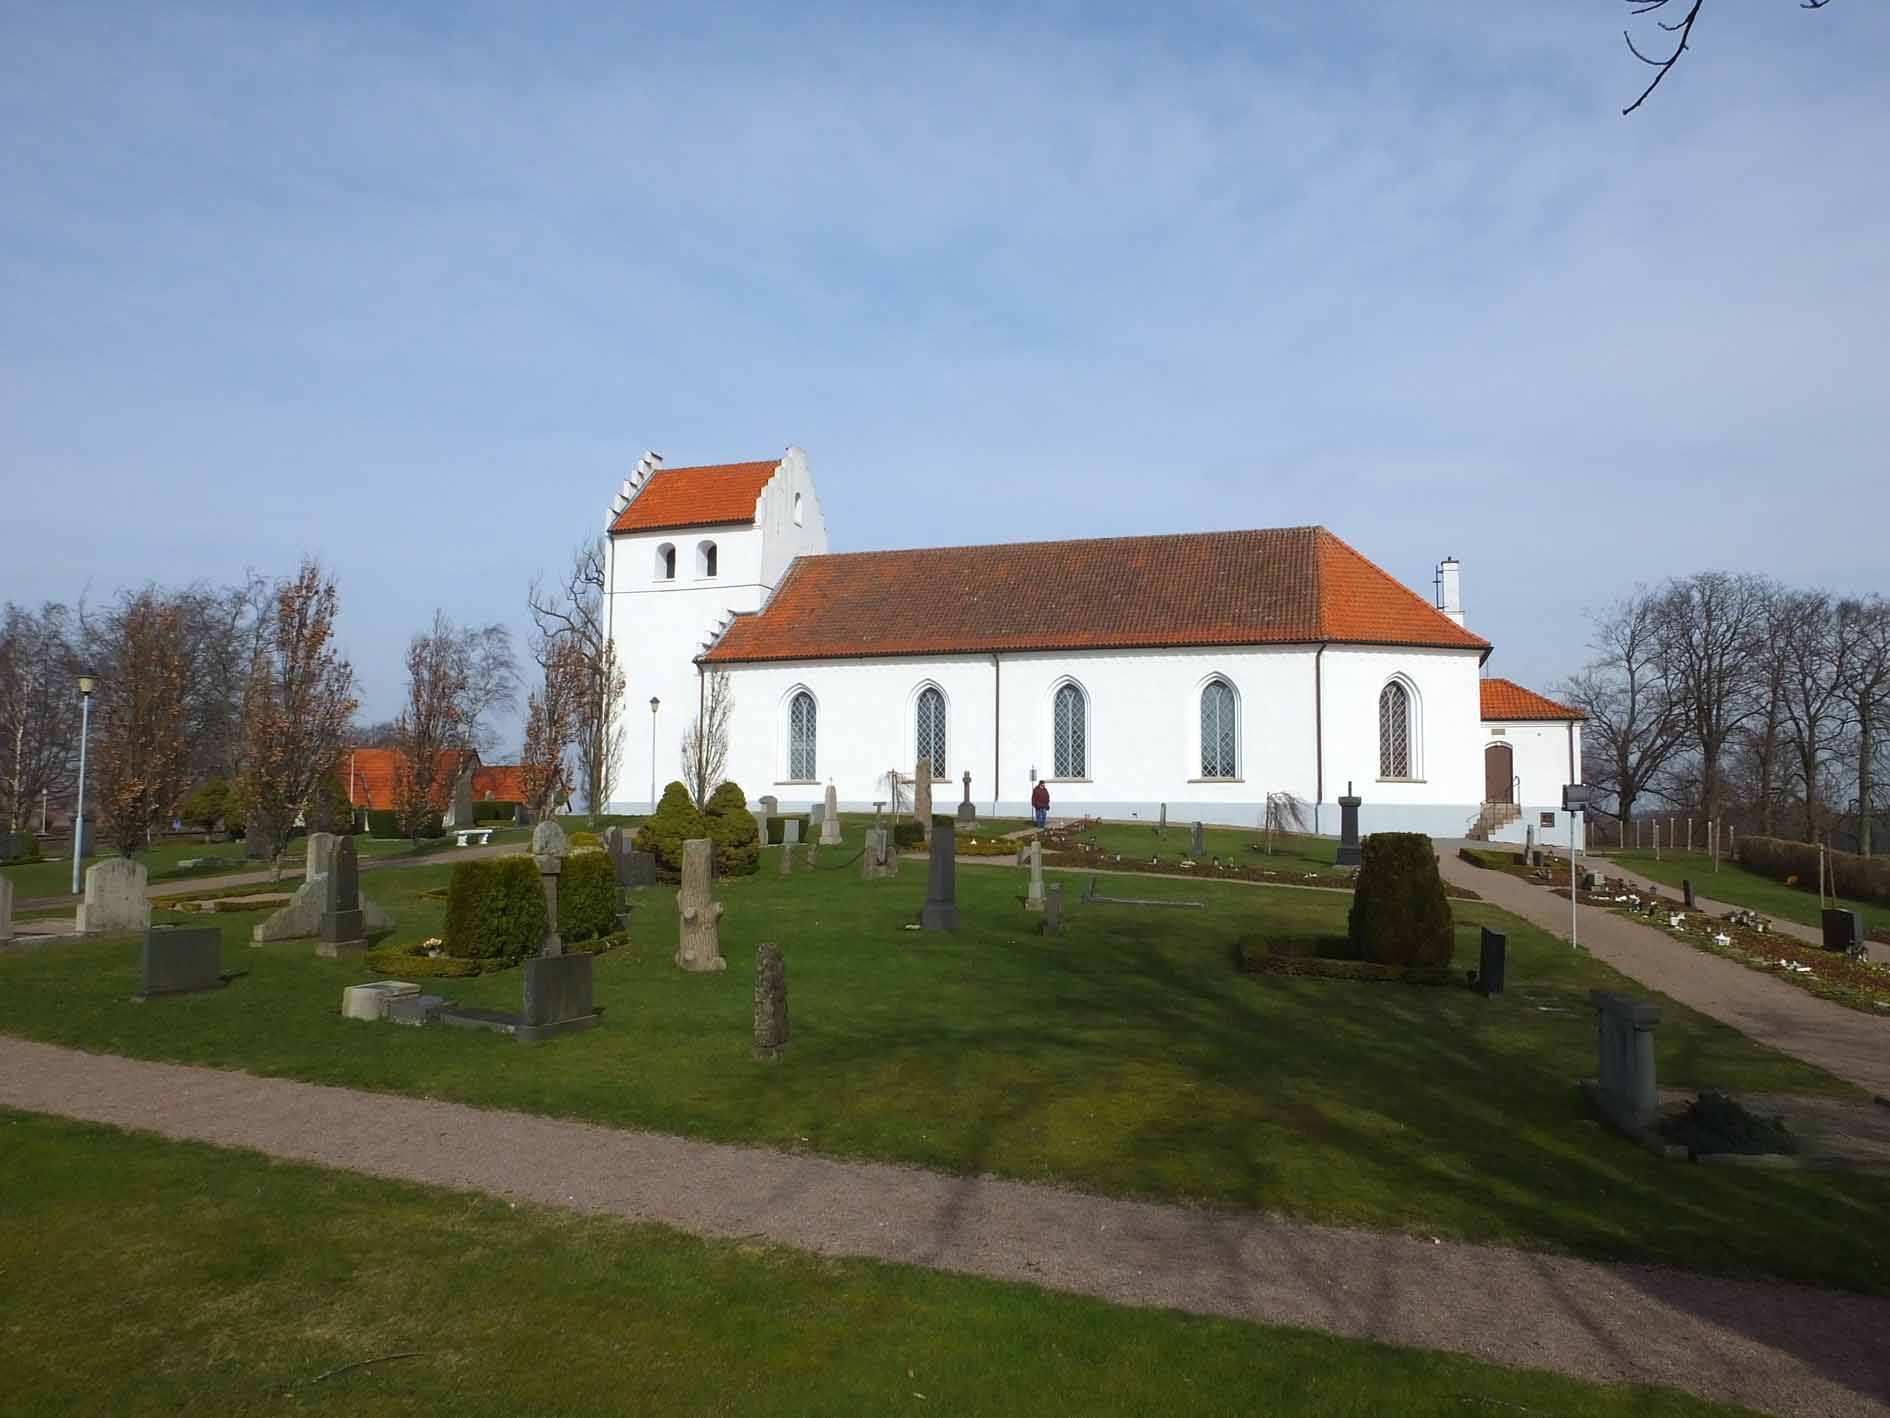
(1040, 802)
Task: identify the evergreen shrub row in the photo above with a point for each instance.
(726, 822)
(587, 897)
(495, 909)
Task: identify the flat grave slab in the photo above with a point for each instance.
(370, 1001)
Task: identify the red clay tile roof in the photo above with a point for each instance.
(1505, 699)
(498, 782)
(369, 775)
(697, 497)
(1294, 584)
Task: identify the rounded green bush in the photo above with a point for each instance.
(675, 821)
(1399, 914)
(732, 829)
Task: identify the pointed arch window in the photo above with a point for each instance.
(1220, 730)
(1070, 716)
(930, 728)
(803, 719)
(1394, 731)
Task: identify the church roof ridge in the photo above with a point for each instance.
(1283, 585)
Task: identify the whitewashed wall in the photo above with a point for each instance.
(1540, 751)
(1144, 731)
(660, 626)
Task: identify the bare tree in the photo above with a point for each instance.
(572, 614)
(224, 627)
(553, 715)
(457, 676)
(1763, 740)
(296, 709)
(1682, 31)
(1634, 727)
(1816, 662)
(1709, 629)
(140, 714)
(705, 746)
(1865, 688)
(39, 709)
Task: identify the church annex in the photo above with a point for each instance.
(1202, 670)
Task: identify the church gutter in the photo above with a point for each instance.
(997, 727)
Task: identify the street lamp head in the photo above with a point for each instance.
(654, 701)
(87, 683)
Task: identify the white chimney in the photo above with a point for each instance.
(1449, 596)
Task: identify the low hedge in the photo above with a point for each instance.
(1399, 914)
(25, 847)
(1852, 876)
(1490, 859)
(587, 897)
(396, 963)
(387, 824)
(495, 811)
(1329, 958)
(911, 835)
(495, 909)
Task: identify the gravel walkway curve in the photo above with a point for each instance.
(1787, 1349)
(1847, 1042)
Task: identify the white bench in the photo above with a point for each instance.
(460, 835)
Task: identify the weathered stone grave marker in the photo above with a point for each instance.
(881, 858)
(1053, 910)
(1843, 930)
(1624, 1088)
(1033, 901)
(1197, 843)
(967, 813)
(830, 819)
(558, 997)
(344, 923)
(922, 796)
(791, 832)
(1492, 962)
(771, 805)
(940, 912)
(1350, 854)
(771, 1011)
(372, 1000)
(1686, 893)
(698, 944)
(114, 897)
(549, 848)
(181, 960)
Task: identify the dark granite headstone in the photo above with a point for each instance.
(1197, 843)
(557, 996)
(1686, 893)
(1843, 930)
(642, 868)
(1053, 909)
(1349, 852)
(180, 960)
(771, 1014)
(342, 923)
(967, 814)
(940, 912)
(1492, 963)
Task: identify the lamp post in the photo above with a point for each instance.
(654, 701)
(87, 682)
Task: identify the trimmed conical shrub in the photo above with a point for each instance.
(674, 822)
(732, 827)
(1399, 914)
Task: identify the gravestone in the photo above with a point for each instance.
(370, 1001)
(302, 917)
(1197, 843)
(548, 839)
(940, 912)
(1843, 930)
(761, 825)
(922, 796)
(1161, 827)
(771, 1016)
(1492, 963)
(1529, 841)
(343, 924)
(791, 832)
(181, 960)
(416, 1009)
(114, 897)
(698, 945)
(1624, 1088)
(617, 848)
(549, 848)
(1686, 893)
(771, 805)
(318, 854)
(1349, 853)
(813, 851)
(6, 909)
(787, 859)
(558, 997)
(1053, 910)
(830, 819)
(642, 868)
(881, 858)
(967, 814)
(1033, 900)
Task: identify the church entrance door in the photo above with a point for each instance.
(1499, 773)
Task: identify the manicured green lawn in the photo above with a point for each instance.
(175, 1278)
(1140, 841)
(54, 878)
(1126, 1055)
(1732, 883)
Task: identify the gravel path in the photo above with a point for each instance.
(1784, 1348)
(1847, 1042)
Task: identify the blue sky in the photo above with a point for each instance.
(410, 287)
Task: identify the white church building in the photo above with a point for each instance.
(1202, 671)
